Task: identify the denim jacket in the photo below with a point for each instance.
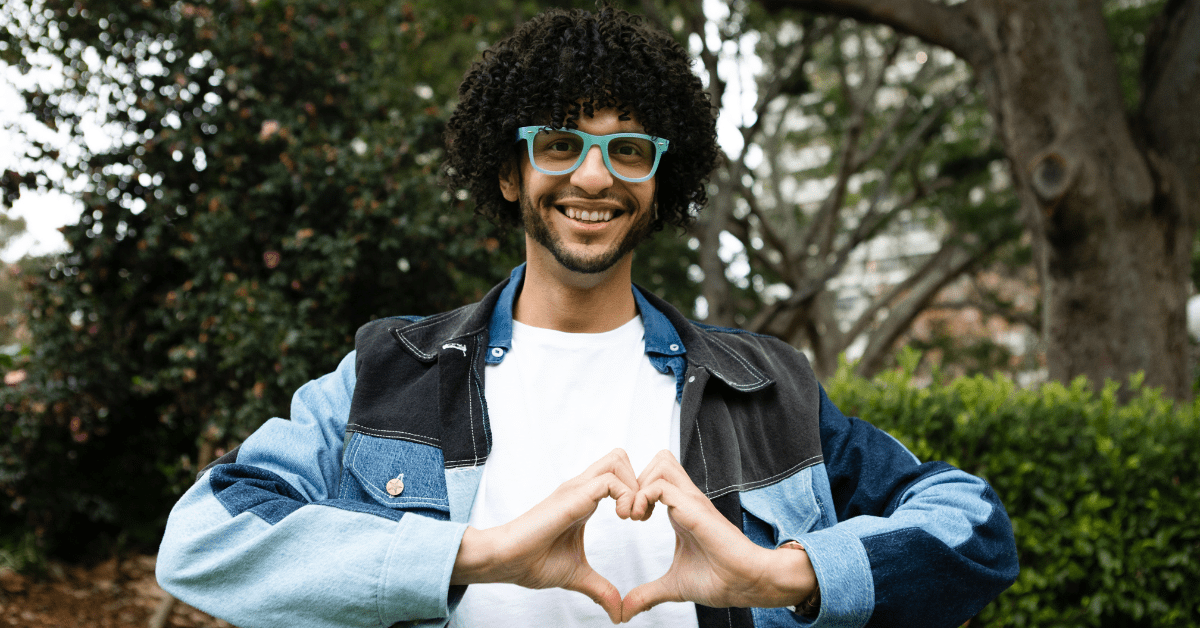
(298, 526)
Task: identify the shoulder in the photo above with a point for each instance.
(750, 345)
(749, 361)
(384, 326)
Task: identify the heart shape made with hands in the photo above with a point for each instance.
(712, 563)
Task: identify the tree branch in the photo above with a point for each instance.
(940, 272)
(951, 27)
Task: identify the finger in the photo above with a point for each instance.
(623, 468)
(601, 591)
(644, 500)
(688, 507)
(617, 463)
(645, 597)
(665, 466)
(609, 485)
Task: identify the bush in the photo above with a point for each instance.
(1097, 490)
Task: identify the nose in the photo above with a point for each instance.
(592, 176)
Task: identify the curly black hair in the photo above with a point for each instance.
(562, 64)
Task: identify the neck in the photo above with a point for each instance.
(556, 298)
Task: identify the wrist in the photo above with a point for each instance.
(477, 558)
(799, 583)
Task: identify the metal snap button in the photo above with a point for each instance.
(674, 347)
(395, 486)
(497, 352)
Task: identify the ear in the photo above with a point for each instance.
(510, 181)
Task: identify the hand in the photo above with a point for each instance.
(543, 548)
(715, 564)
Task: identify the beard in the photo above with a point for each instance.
(539, 230)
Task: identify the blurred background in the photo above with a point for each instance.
(978, 221)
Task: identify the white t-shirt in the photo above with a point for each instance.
(557, 403)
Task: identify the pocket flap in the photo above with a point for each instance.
(420, 469)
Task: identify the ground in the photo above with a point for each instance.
(109, 595)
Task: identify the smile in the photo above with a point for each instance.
(588, 216)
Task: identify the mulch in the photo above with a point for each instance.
(111, 594)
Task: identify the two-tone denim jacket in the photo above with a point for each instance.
(297, 526)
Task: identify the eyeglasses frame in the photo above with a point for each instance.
(527, 133)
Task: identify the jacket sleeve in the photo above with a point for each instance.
(263, 540)
(914, 544)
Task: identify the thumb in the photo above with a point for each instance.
(601, 591)
(645, 597)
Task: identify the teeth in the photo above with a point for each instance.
(585, 216)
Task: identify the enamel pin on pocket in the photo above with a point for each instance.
(395, 486)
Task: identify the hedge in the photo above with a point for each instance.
(1102, 494)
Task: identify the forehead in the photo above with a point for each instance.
(609, 120)
(588, 113)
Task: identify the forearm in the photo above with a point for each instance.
(319, 565)
(477, 561)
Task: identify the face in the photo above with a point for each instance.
(587, 220)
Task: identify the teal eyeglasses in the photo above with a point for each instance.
(631, 157)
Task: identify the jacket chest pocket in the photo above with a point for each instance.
(397, 474)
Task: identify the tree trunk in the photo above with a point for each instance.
(1113, 251)
(708, 228)
(1110, 198)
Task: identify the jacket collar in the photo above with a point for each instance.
(426, 337)
(668, 333)
(661, 337)
(706, 348)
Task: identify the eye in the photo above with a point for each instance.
(559, 145)
(630, 148)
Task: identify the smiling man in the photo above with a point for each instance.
(501, 464)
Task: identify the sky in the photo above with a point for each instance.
(43, 213)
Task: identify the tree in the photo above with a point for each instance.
(10, 294)
(857, 138)
(1104, 153)
(272, 186)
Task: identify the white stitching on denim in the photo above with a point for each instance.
(800, 466)
(372, 431)
(762, 379)
(390, 499)
(703, 459)
(400, 332)
(413, 348)
(471, 406)
(479, 392)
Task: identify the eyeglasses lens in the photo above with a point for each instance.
(631, 157)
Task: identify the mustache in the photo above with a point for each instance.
(575, 194)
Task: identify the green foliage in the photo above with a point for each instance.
(1103, 513)
(1127, 24)
(274, 188)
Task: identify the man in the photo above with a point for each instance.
(500, 464)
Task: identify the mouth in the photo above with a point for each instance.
(590, 217)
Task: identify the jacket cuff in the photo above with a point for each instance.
(844, 575)
(422, 553)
